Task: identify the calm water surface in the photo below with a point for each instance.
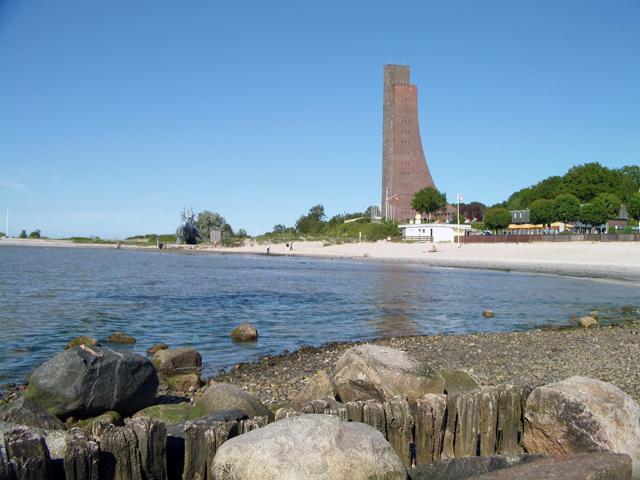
(50, 295)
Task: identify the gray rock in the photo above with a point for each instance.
(458, 381)
(224, 396)
(582, 466)
(23, 411)
(466, 467)
(318, 386)
(177, 361)
(244, 332)
(581, 414)
(88, 381)
(587, 322)
(313, 447)
(372, 372)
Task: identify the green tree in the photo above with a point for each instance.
(541, 211)
(610, 202)
(242, 233)
(23, 234)
(312, 222)
(497, 218)
(35, 234)
(279, 228)
(207, 221)
(593, 214)
(428, 200)
(566, 207)
(633, 206)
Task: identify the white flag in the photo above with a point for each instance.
(459, 197)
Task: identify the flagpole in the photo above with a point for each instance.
(458, 232)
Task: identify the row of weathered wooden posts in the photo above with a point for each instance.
(484, 422)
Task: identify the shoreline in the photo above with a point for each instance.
(621, 262)
(531, 357)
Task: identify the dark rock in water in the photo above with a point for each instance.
(121, 337)
(244, 332)
(82, 340)
(581, 466)
(177, 361)
(156, 348)
(23, 411)
(466, 467)
(488, 314)
(224, 396)
(88, 381)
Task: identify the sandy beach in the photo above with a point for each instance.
(613, 260)
(606, 260)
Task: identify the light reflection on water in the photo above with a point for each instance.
(48, 296)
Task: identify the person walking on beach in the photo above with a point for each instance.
(268, 248)
(291, 247)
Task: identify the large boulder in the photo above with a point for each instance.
(581, 414)
(581, 466)
(23, 411)
(177, 361)
(372, 372)
(467, 467)
(313, 447)
(85, 382)
(225, 396)
(318, 386)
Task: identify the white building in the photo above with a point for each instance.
(432, 232)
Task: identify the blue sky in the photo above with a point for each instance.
(114, 115)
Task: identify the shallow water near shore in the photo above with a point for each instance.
(51, 295)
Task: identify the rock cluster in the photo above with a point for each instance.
(382, 411)
(179, 369)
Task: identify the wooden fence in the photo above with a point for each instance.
(614, 237)
(485, 422)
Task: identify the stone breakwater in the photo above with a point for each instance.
(388, 409)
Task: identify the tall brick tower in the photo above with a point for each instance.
(404, 167)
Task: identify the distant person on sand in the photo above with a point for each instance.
(268, 248)
(291, 247)
(433, 249)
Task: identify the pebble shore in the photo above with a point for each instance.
(608, 353)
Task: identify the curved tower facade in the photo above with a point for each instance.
(404, 167)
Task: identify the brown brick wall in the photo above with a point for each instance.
(404, 167)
